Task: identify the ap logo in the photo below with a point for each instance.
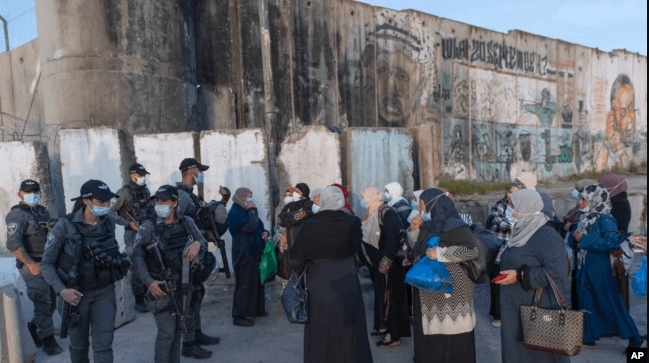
(636, 355)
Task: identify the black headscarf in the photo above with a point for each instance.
(304, 189)
(443, 218)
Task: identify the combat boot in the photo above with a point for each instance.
(195, 351)
(202, 339)
(51, 347)
(33, 332)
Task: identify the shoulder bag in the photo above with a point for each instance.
(295, 300)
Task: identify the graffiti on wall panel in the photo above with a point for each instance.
(537, 102)
(456, 148)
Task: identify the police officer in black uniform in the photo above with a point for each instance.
(88, 233)
(169, 239)
(189, 205)
(130, 210)
(27, 227)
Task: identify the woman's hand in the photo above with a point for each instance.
(283, 244)
(416, 222)
(577, 235)
(431, 253)
(512, 277)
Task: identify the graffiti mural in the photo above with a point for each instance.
(456, 148)
(538, 109)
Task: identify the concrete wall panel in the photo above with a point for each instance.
(161, 155)
(377, 157)
(237, 159)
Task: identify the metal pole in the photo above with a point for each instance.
(6, 30)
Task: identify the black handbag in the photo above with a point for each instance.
(295, 300)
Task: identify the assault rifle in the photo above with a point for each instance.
(206, 215)
(170, 288)
(69, 315)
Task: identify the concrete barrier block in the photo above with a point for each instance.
(237, 158)
(428, 156)
(91, 154)
(378, 156)
(125, 302)
(310, 156)
(161, 155)
(16, 344)
(20, 161)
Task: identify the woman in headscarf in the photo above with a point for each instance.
(325, 246)
(394, 195)
(530, 181)
(347, 207)
(532, 245)
(621, 211)
(381, 235)
(247, 247)
(444, 324)
(596, 236)
(298, 209)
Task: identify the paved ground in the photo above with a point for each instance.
(274, 340)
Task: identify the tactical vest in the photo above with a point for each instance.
(171, 240)
(92, 276)
(35, 242)
(137, 204)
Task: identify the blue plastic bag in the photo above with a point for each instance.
(430, 275)
(639, 282)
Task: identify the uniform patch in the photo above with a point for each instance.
(12, 228)
(112, 202)
(138, 238)
(50, 240)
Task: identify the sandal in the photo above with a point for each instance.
(388, 344)
(379, 334)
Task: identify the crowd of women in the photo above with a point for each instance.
(320, 234)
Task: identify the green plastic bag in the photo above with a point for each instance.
(268, 263)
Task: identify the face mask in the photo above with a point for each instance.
(315, 209)
(509, 214)
(32, 200)
(412, 215)
(387, 196)
(162, 210)
(426, 217)
(585, 210)
(414, 205)
(200, 178)
(575, 194)
(250, 200)
(296, 197)
(141, 181)
(363, 204)
(288, 199)
(100, 211)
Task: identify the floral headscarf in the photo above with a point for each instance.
(241, 197)
(599, 201)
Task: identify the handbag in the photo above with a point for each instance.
(553, 331)
(295, 300)
(623, 256)
(283, 267)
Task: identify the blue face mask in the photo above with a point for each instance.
(163, 211)
(200, 178)
(387, 196)
(363, 204)
(250, 200)
(100, 211)
(575, 194)
(315, 209)
(509, 214)
(32, 199)
(426, 217)
(414, 205)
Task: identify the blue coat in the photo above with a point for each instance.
(597, 289)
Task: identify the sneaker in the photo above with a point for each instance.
(195, 351)
(496, 324)
(50, 346)
(388, 344)
(202, 339)
(243, 322)
(589, 344)
(33, 332)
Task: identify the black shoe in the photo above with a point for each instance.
(202, 339)
(589, 344)
(243, 322)
(378, 334)
(263, 314)
(32, 331)
(195, 351)
(635, 343)
(51, 347)
(388, 344)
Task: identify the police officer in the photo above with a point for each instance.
(87, 235)
(167, 239)
(189, 205)
(27, 227)
(130, 210)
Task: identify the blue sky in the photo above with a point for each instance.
(602, 24)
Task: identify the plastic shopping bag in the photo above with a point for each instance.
(268, 263)
(430, 275)
(639, 282)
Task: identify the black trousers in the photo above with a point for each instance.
(249, 294)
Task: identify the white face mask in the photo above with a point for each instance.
(141, 181)
(250, 200)
(288, 199)
(32, 199)
(412, 215)
(296, 196)
(585, 209)
(315, 209)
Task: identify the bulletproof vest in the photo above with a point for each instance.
(192, 209)
(34, 241)
(103, 238)
(137, 204)
(172, 240)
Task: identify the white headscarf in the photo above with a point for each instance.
(331, 198)
(529, 206)
(528, 179)
(373, 197)
(415, 212)
(396, 193)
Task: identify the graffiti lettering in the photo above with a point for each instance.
(442, 94)
(451, 49)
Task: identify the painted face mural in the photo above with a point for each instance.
(621, 124)
(525, 139)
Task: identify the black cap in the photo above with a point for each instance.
(139, 169)
(29, 185)
(96, 189)
(166, 192)
(192, 163)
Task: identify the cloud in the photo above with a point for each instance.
(603, 12)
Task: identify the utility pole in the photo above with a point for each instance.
(6, 30)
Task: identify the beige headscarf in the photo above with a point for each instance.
(528, 179)
(374, 198)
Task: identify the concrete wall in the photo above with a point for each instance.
(161, 155)
(237, 158)
(378, 157)
(20, 161)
